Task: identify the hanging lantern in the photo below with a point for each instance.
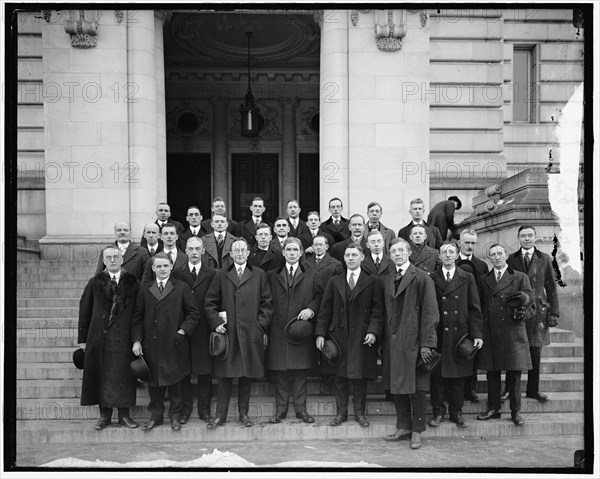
(249, 111)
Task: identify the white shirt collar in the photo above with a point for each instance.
(221, 233)
(375, 256)
(403, 268)
(116, 275)
(356, 274)
(451, 271)
(528, 251)
(293, 266)
(503, 270)
(462, 256)
(238, 266)
(163, 281)
(195, 229)
(197, 266)
(152, 247)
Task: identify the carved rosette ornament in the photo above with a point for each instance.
(389, 30)
(82, 31)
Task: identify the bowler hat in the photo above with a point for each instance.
(139, 369)
(332, 352)
(455, 198)
(78, 357)
(432, 365)
(518, 299)
(468, 266)
(297, 331)
(218, 345)
(464, 349)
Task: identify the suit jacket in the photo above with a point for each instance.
(541, 277)
(306, 238)
(249, 306)
(412, 317)
(134, 260)
(388, 235)
(434, 238)
(326, 268)
(211, 253)
(179, 261)
(158, 317)
(339, 233)
(302, 228)
(233, 227)
(248, 230)
(505, 343)
(271, 259)
(178, 228)
(201, 360)
(442, 217)
(338, 249)
(348, 317)
(386, 265)
(460, 314)
(187, 234)
(159, 248)
(426, 259)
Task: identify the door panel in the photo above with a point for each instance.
(255, 175)
(308, 183)
(188, 183)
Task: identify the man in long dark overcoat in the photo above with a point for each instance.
(166, 316)
(442, 216)
(135, 257)
(505, 344)
(105, 311)
(297, 292)
(351, 313)
(321, 261)
(538, 268)
(423, 256)
(411, 319)
(198, 276)
(243, 294)
(460, 314)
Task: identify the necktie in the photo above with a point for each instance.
(152, 250)
(397, 279)
(220, 239)
(170, 253)
(194, 274)
(336, 223)
(527, 259)
(377, 261)
(161, 286)
(113, 280)
(194, 231)
(499, 276)
(448, 278)
(291, 276)
(351, 281)
(317, 260)
(240, 273)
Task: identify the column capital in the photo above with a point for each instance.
(164, 15)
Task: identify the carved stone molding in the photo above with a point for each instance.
(255, 145)
(318, 17)
(306, 126)
(119, 14)
(354, 15)
(422, 15)
(83, 31)
(174, 116)
(390, 29)
(164, 15)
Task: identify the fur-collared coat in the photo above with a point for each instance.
(105, 313)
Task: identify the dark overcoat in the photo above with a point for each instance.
(211, 253)
(178, 228)
(460, 314)
(505, 344)
(158, 317)
(306, 238)
(306, 292)
(442, 217)
(105, 313)
(201, 360)
(348, 317)
(248, 230)
(386, 266)
(426, 258)
(411, 318)
(339, 233)
(271, 260)
(296, 232)
(339, 249)
(249, 306)
(480, 265)
(387, 234)
(233, 227)
(434, 238)
(134, 260)
(186, 235)
(541, 277)
(149, 274)
(326, 269)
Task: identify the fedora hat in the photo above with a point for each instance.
(218, 345)
(518, 299)
(468, 266)
(296, 331)
(455, 198)
(464, 350)
(431, 366)
(78, 358)
(332, 352)
(139, 369)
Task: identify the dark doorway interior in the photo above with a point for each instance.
(253, 175)
(188, 183)
(308, 173)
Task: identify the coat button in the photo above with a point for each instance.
(443, 297)
(455, 312)
(445, 329)
(105, 331)
(455, 297)
(455, 328)
(394, 336)
(445, 312)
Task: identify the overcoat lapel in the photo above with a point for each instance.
(408, 278)
(456, 282)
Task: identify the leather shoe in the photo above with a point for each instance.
(472, 396)
(277, 418)
(205, 416)
(307, 418)
(491, 414)
(517, 419)
(399, 435)
(539, 396)
(362, 420)
(102, 423)
(176, 424)
(152, 423)
(459, 421)
(184, 418)
(128, 422)
(339, 419)
(246, 421)
(415, 440)
(435, 421)
(215, 423)
(504, 396)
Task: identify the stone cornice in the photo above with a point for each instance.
(194, 75)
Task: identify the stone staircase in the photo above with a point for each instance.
(48, 385)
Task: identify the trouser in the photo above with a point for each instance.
(224, 395)
(452, 388)
(471, 381)
(106, 412)
(410, 411)
(533, 375)
(282, 390)
(342, 395)
(513, 386)
(156, 406)
(204, 392)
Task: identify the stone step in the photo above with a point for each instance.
(54, 302)
(48, 312)
(32, 268)
(54, 276)
(50, 293)
(571, 349)
(81, 431)
(562, 365)
(47, 337)
(561, 335)
(71, 388)
(45, 323)
(58, 284)
(36, 409)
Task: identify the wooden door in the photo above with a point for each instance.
(253, 175)
(308, 183)
(188, 183)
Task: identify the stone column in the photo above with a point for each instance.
(219, 159)
(333, 110)
(288, 153)
(160, 17)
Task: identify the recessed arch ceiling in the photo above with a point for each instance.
(279, 40)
